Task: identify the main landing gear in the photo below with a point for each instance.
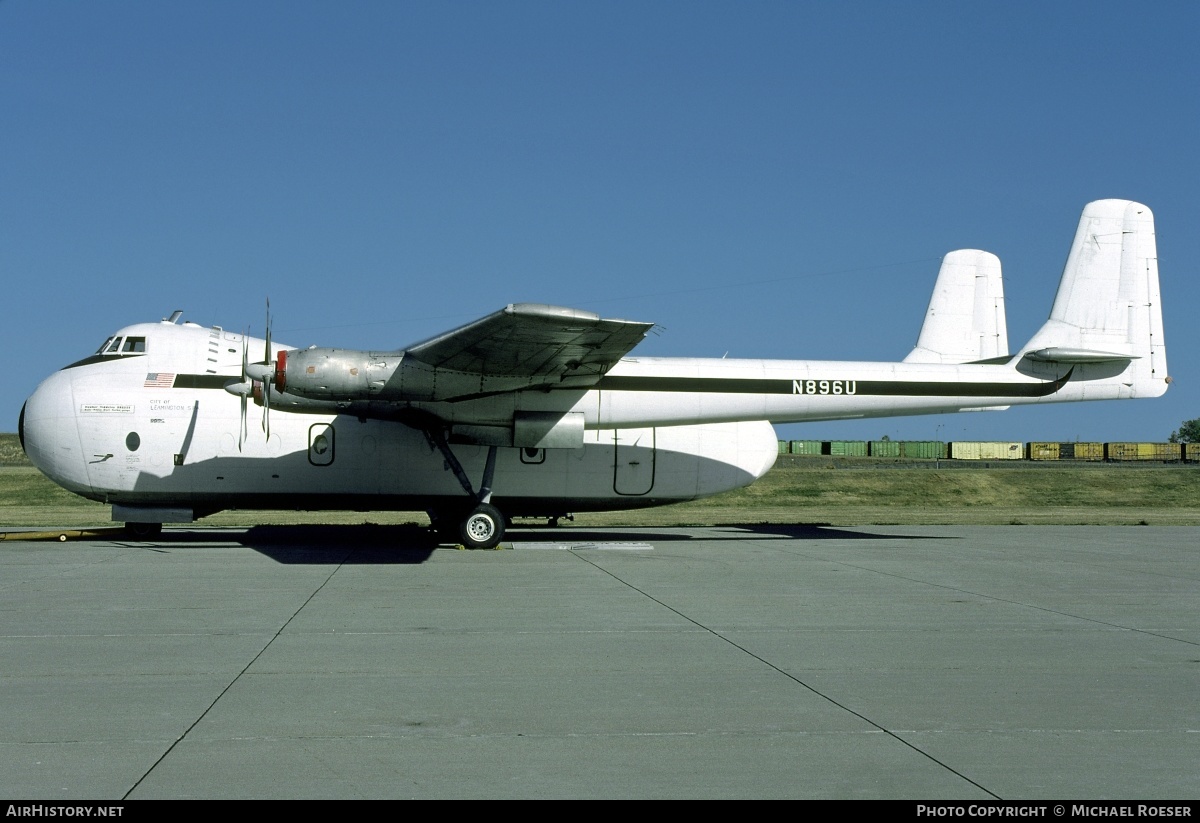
(480, 526)
(143, 531)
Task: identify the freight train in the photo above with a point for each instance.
(996, 450)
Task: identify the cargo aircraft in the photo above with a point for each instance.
(543, 411)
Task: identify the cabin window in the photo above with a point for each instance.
(533, 456)
(134, 345)
(113, 346)
(104, 346)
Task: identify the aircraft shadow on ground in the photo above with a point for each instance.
(825, 531)
(409, 544)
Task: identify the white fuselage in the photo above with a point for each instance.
(158, 429)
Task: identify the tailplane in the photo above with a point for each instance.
(965, 320)
(1106, 325)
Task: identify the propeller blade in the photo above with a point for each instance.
(267, 353)
(266, 421)
(270, 379)
(242, 422)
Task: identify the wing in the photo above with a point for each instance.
(533, 341)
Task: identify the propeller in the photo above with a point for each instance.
(243, 387)
(264, 372)
(257, 381)
(245, 382)
(267, 381)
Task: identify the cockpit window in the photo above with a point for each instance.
(123, 345)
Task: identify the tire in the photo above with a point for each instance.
(143, 531)
(444, 526)
(483, 528)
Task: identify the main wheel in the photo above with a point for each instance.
(483, 528)
(444, 525)
(143, 531)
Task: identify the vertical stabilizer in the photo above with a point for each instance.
(965, 321)
(1107, 315)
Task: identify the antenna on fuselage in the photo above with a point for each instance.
(175, 315)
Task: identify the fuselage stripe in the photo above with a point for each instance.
(826, 387)
(202, 381)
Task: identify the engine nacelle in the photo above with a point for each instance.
(347, 375)
(334, 374)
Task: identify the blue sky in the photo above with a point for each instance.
(762, 179)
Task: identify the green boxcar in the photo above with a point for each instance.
(924, 449)
(809, 447)
(1043, 451)
(884, 448)
(848, 448)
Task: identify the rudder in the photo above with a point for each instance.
(965, 321)
(1108, 311)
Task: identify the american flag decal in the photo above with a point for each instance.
(159, 380)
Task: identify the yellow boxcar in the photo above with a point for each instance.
(1003, 451)
(1159, 451)
(986, 450)
(965, 450)
(1089, 451)
(1120, 451)
(1043, 451)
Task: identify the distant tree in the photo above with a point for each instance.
(1188, 432)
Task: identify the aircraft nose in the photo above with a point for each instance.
(49, 433)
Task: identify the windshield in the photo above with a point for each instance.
(123, 345)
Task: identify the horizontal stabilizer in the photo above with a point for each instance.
(1059, 354)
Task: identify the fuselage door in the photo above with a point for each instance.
(633, 471)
